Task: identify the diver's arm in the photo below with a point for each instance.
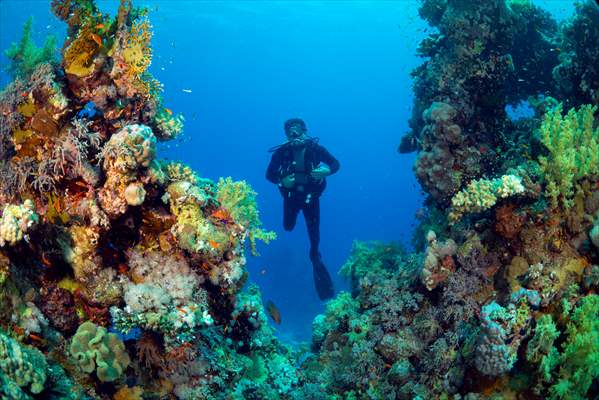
(272, 172)
(328, 159)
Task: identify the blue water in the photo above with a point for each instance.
(342, 66)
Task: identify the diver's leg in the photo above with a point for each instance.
(322, 279)
(290, 211)
(311, 212)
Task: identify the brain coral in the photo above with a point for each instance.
(95, 349)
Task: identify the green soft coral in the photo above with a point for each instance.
(540, 348)
(25, 56)
(240, 200)
(93, 348)
(573, 147)
(579, 361)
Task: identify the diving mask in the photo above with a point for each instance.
(296, 135)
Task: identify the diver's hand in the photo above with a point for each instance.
(288, 181)
(321, 172)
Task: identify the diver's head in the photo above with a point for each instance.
(295, 130)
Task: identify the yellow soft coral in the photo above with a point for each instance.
(240, 200)
(138, 53)
(573, 151)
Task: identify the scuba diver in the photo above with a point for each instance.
(299, 168)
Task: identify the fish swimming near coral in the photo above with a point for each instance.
(96, 38)
(273, 312)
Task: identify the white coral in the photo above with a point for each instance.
(16, 221)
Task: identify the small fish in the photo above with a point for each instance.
(214, 244)
(221, 214)
(273, 312)
(168, 111)
(35, 338)
(181, 310)
(100, 26)
(96, 39)
(263, 271)
(187, 90)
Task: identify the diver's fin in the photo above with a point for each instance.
(322, 280)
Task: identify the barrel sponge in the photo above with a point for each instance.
(93, 348)
(16, 221)
(23, 367)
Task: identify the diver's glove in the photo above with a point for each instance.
(320, 172)
(288, 181)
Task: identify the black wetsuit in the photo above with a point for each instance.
(305, 194)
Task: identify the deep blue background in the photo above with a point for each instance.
(342, 66)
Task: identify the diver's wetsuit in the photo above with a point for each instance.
(305, 195)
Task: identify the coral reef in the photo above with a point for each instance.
(122, 275)
(124, 269)
(500, 306)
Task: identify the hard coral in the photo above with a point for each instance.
(483, 194)
(16, 222)
(23, 367)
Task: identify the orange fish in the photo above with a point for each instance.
(99, 26)
(181, 310)
(273, 312)
(168, 111)
(35, 338)
(221, 214)
(96, 39)
(214, 244)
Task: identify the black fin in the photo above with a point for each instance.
(322, 280)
